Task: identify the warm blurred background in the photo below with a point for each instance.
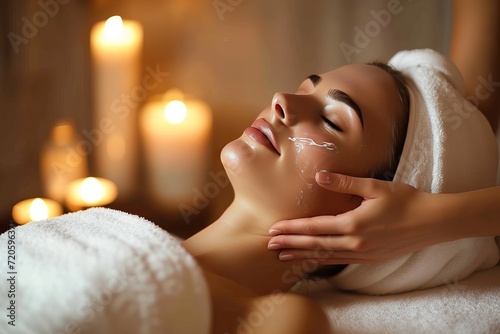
(232, 55)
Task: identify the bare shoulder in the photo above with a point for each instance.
(236, 311)
(284, 313)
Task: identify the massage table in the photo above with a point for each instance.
(468, 306)
(106, 271)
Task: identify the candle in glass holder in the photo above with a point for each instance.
(116, 47)
(35, 209)
(90, 192)
(176, 135)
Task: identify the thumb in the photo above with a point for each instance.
(363, 187)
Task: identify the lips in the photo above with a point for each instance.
(262, 132)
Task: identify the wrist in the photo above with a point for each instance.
(458, 216)
(445, 217)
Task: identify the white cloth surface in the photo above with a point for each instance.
(449, 147)
(103, 271)
(470, 306)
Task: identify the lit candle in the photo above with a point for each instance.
(90, 192)
(35, 209)
(176, 134)
(116, 50)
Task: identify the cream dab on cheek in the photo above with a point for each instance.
(307, 163)
(300, 143)
(307, 166)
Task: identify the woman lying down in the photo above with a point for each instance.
(106, 271)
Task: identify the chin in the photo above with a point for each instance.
(236, 156)
(242, 160)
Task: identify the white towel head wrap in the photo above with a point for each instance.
(449, 145)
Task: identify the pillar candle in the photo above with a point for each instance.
(116, 47)
(176, 135)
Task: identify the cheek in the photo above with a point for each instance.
(313, 156)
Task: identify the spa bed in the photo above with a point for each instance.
(106, 271)
(468, 306)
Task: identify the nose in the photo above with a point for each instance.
(282, 109)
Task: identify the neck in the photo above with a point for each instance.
(235, 247)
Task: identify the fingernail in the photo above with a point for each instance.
(324, 177)
(273, 246)
(274, 231)
(286, 257)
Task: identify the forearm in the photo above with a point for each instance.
(475, 50)
(469, 214)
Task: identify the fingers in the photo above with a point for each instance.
(325, 257)
(328, 249)
(363, 187)
(312, 243)
(319, 225)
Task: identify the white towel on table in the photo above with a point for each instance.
(103, 271)
(469, 306)
(449, 147)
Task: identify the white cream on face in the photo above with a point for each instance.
(307, 168)
(300, 143)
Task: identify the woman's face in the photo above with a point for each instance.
(341, 121)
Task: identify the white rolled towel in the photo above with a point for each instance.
(102, 271)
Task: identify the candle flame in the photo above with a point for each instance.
(175, 112)
(91, 190)
(38, 209)
(113, 28)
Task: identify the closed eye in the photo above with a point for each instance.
(331, 124)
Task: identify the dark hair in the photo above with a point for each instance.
(386, 170)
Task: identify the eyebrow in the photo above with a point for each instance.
(315, 79)
(340, 96)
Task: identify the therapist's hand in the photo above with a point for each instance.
(393, 219)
